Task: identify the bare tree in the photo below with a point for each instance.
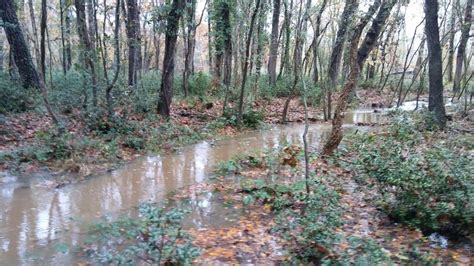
(452, 33)
(435, 73)
(87, 49)
(272, 60)
(465, 29)
(133, 26)
(357, 60)
(21, 54)
(44, 19)
(171, 37)
(246, 63)
(336, 55)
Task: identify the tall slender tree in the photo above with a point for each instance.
(21, 54)
(435, 71)
(460, 56)
(272, 59)
(336, 55)
(133, 26)
(358, 56)
(171, 37)
(44, 19)
(246, 62)
(88, 52)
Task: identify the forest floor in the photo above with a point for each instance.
(29, 144)
(255, 240)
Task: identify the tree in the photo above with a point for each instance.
(246, 63)
(272, 59)
(465, 29)
(357, 60)
(88, 52)
(28, 74)
(336, 54)
(44, 19)
(21, 53)
(190, 41)
(452, 33)
(2, 55)
(300, 34)
(171, 37)
(435, 72)
(65, 21)
(133, 26)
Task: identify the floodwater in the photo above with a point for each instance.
(39, 225)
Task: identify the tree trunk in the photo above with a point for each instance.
(63, 37)
(21, 54)
(156, 39)
(28, 74)
(190, 37)
(35, 32)
(2, 56)
(298, 54)
(171, 37)
(92, 22)
(435, 73)
(88, 50)
(336, 54)
(452, 33)
(44, 19)
(317, 32)
(68, 38)
(272, 59)
(111, 85)
(246, 63)
(357, 60)
(133, 24)
(466, 27)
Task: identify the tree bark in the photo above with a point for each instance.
(171, 37)
(133, 24)
(300, 34)
(336, 54)
(87, 49)
(272, 59)
(28, 74)
(466, 27)
(21, 54)
(2, 56)
(357, 60)
(35, 32)
(246, 63)
(44, 19)
(317, 32)
(435, 72)
(452, 33)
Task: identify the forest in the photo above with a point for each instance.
(223, 132)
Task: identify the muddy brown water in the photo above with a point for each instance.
(41, 226)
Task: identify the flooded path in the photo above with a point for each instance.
(39, 225)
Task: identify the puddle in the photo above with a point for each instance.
(37, 223)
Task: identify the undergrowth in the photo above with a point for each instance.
(156, 237)
(424, 177)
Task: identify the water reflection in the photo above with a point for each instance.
(35, 218)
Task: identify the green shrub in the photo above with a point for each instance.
(145, 98)
(311, 227)
(425, 184)
(156, 237)
(14, 97)
(199, 84)
(68, 90)
(250, 119)
(136, 143)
